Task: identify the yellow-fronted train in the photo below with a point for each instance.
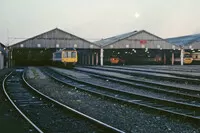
(67, 57)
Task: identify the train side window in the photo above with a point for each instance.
(58, 55)
(73, 54)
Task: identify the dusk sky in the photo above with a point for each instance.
(97, 19)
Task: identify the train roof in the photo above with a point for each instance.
(71, 49)
(67, 49)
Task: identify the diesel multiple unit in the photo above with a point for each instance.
(66, 57)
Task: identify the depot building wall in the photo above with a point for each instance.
(1, 61)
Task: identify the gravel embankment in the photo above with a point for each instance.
(10, 120)
(124, 117)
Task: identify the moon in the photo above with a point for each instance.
(137, 15)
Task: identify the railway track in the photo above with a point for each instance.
(150, 75)
(178, 68)
(175, 73)
(183, 110)
(44, 113)
(164, 91)
(165, 87)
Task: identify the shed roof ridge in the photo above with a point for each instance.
(115, 38)
(184, 40)
(51, 31)
(184, 36)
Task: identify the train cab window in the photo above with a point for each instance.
(69, 54)
(187, 56)
(73, 54)
(64, 54)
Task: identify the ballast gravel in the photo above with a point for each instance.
(122, 116)
(10, 120)
(164, 82)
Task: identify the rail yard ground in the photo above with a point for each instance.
(10, 120)
(121, 96)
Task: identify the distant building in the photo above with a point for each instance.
(2, 56)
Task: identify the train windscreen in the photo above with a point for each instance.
(187, 55)
(73, 54)
(69, 54)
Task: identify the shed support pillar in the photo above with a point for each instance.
(182, 54)
(164, 58)
(89, 59)
(82, 60)
(101, 56)
(92, 58)
(1, 61)
(86, 60)
(172, 58)
(97, 58)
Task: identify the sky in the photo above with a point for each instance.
(97, 19)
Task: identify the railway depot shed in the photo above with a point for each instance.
(138, 47)
(38, 49)
(189, 42)
(2, 56)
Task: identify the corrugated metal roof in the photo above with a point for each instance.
(184, 40)
(55, 29)
(110, 40)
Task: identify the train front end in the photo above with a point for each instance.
(187, 58)
(69, 58)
